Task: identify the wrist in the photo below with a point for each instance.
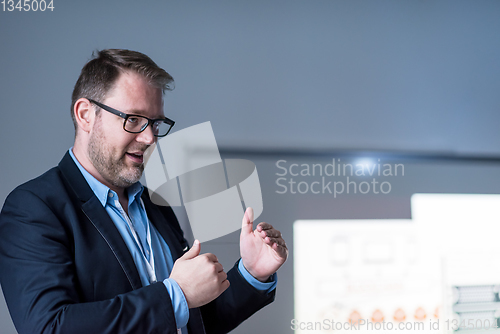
(260, 278)
(179, 302)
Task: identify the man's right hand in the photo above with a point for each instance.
(201, 277)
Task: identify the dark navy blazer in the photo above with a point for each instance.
(64, 268)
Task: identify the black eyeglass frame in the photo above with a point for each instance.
(126, 116)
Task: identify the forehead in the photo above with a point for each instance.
(132, 93)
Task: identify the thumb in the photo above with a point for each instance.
(247, 223)
(193, 252)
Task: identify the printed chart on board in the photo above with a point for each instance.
(371, 274)
(438, 269)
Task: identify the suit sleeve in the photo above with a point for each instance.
(40, 284)
(234, 305)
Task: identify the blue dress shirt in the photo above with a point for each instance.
(141, 251)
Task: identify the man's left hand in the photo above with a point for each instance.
(263, 250)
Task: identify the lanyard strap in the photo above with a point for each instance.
(150, 265)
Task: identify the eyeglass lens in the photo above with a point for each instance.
(137, 124)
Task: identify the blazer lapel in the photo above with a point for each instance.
(98, 216)
(100, 219)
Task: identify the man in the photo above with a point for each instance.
(84, 250)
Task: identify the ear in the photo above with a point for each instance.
(84, 114)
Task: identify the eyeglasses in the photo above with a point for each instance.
(137, 123)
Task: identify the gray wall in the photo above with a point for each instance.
(409, 76)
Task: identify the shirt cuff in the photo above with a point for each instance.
(179, 303)
(268, 286)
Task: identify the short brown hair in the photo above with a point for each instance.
(101, 72)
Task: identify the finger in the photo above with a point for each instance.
(271, 233)
(281, 250)
(264, 226)
(247, 222)
(277, 241)
(219, 267)
(211, 257)
(193, 252)
(224, 285)
(222, 276)
(278, 246)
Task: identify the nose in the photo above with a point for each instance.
(146, 136)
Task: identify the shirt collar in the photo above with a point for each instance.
(103, 192)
